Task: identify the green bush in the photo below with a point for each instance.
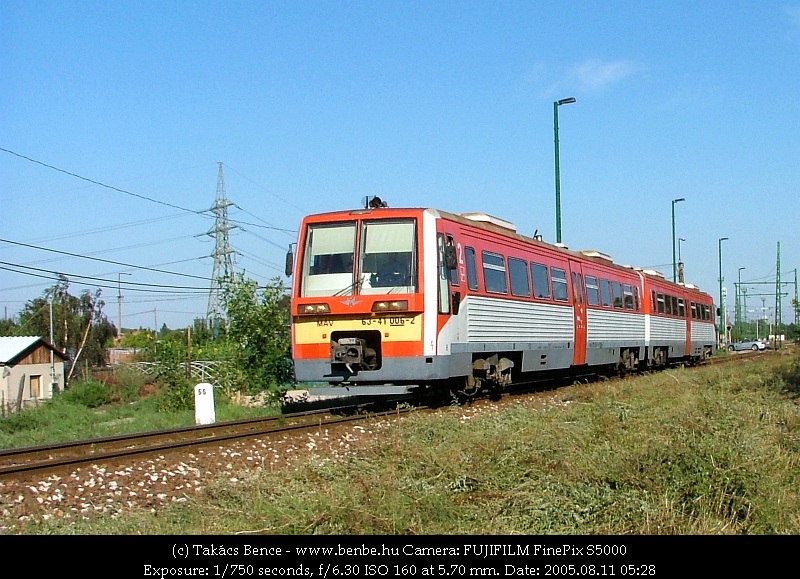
(176, 394)
(25, 420)
(89, 393)
(130, 384)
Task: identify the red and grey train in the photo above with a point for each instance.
(413, 297)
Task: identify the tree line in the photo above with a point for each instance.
(252, 337)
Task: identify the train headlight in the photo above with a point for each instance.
(313, 309)
(390, 306)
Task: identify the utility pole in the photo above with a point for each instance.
(119, 303)
(53, 383)
(223, 263)
(721, 296)
(778, 313)
(796, 304)
(738, 322)
(155, 332)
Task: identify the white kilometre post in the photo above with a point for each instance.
(204, 403)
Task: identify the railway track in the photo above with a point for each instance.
(18, 462)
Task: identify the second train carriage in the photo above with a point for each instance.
(419, 296)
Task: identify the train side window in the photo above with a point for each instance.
(660, 302)
(653, 301)
(674, 305)
(617, 287)
(605, 292)
(693, 308)
(472, 269)
(518, 273)
(541, 281)
(681, 308)
(494, 273)
(559, 277)
(668, 304)
(592, 291)
(627, 292)
(444, 297)
(636, 298)
(454, 273)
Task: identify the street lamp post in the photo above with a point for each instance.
(721, 305)
(674, 263)
(557, 104)
(680, 261)
(739, 305)
(119, 302)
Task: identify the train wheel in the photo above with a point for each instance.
(471, 386)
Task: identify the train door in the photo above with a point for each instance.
(683, 309)
(579, 309)
(444, 257)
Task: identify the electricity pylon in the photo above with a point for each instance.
(223, 260)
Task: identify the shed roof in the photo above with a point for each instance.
(11, 347)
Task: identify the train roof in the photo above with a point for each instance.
(508, 229)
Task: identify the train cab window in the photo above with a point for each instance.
(541, 281)
(617, 287)
(660, 303)
(494, 273)
(627, 292)
(605, 292)
(681, 308)
(592, 291)
(328, 260)
(518, 274)
(559, 277)
(472, 269)
(388, 261)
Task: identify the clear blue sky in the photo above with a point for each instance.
(312, 105)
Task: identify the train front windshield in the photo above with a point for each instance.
(384, 263)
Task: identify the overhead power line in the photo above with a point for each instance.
(302, 211)
(128, 284)
(87, 179)
(103, 260)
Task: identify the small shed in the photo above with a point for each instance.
(31, 370)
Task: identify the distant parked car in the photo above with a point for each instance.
(754, 345)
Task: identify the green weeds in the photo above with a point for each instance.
(707, 451)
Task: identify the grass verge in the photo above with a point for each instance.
(708, 451)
